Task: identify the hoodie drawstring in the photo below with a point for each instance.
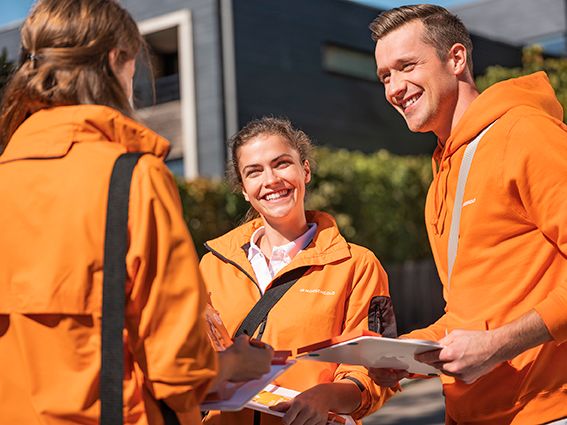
(438, 203)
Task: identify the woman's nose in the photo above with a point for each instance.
(271, 176)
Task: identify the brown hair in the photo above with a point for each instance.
(64, 59)
(297, 140)
(442, 28)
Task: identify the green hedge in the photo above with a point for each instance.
(377, 200)
(533, 60)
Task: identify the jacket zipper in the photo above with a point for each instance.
(222, 257)
(261, 328)
(263, 323)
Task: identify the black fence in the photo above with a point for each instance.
(416, 292)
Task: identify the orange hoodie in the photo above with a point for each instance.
(345, 289)
(54, 177)
(512, 253)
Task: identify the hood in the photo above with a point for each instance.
(532, 90)
(328, 244)
(50, 133)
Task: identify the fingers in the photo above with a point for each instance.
(291, 414)
(282, 406)
(300, 413)
(264, 362)
(428, 357)
(250, 362)
(241, 341)
(387, 378)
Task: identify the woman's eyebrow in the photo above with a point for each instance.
(277, 158)
(283, 155)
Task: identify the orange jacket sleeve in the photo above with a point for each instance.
(165, 324)
(433, 332)
(535, 172)
(370, 282)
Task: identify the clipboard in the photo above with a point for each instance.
(274, 394)
(242, 393)
(372, 350)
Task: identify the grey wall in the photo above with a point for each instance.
(208, 70)
(279, 72)
(208, 73)
(10, 40)
(488, 52)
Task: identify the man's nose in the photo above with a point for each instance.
(396, 86)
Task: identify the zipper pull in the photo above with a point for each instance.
(262, 328)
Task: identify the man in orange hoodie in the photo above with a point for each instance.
(504, 267)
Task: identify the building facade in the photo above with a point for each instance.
(219, 63)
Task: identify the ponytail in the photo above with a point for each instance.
(65, 59)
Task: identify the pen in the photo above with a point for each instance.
(257, 343)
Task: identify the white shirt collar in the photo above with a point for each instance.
(281, 255)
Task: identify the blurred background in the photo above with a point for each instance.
(219, 63)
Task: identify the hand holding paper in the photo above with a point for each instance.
(242, 392)
(275, 400)
(314, 405)
(246, 366)
(387, 378)
(245, 361)
(240, 360)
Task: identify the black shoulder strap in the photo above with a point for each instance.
(260, 311)
(113, 292)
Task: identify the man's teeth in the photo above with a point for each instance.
(276, 195)
(410, 101)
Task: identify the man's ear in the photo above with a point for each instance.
(457, 58)
(307, 170)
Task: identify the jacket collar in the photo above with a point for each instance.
(327, 245)
(50, 133)
(533, 90)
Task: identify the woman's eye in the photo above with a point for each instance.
(282, 164)
(409, 66)
(253, 173)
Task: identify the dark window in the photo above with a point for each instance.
(349, 62)
(164, 58)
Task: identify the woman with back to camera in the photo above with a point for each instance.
(343, 289)
(65, 119)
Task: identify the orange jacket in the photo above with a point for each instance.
(512, 253)
(54, 177)
(345, 289)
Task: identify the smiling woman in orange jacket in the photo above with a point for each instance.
(344, 288)
(62, 131)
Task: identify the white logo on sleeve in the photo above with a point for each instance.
(470, 201)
